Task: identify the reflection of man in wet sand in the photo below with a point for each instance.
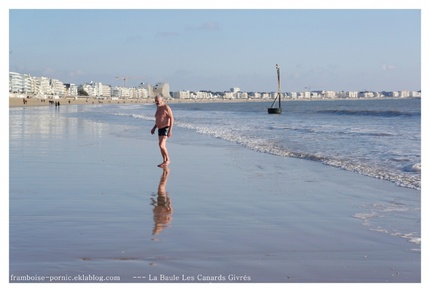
(162, 206)
(164, 122)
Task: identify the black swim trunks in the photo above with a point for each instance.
(163, 131)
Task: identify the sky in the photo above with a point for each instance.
(217, 49)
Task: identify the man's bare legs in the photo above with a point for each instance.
(163, 149)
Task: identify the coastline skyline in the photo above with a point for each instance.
(338, 50)
(42, 87)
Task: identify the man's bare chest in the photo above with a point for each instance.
(161, 112)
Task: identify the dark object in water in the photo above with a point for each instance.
(276, 110)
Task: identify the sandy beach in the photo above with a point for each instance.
(28, 102)
(88, 204)
(25, 102)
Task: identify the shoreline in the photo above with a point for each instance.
(19, 102)
(26, 102)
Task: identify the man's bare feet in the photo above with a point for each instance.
(164, 164)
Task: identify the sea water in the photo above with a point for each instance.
(377, 138)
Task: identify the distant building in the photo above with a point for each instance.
(20, 83)
(305, 95)
(182, 94)
(139, 92)
(329, 94)
(163, 89)
(15, 82)
(58, 88)
(149, 89)
(352, 94)
(71, 89)
(294, 95)
(405, 93)
(415, 94)
(242, 95)
(44, 87)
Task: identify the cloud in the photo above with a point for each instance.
(134, 39)
(208, 26)
(167, 34)
(76, 73)
(48, 71)
(388, 67)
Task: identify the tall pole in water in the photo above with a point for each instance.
(279, 85)
(278, 110)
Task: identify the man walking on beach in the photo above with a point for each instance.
(164, 122)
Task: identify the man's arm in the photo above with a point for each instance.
(153, 129)
(172, 120)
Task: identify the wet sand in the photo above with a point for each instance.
(88, 204)
(33, 101)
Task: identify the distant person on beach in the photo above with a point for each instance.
(164, 122)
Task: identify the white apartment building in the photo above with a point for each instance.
(104, 90)
(26, 83)
(121, 92)
(182, 94)
(242, 95)
(139, 92)
(415, 94)
(257, 95)
(329, 94)
(228, 95)
(20, 83)
(88, 88)
(305, 95)
(265, 95)
(37, 86)
(44, 86)
(352, 94)
(294, 95)
(202, 95)
(405, 93)
(57, 87)
(96, 89)
(15, 82)
(71, 90)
